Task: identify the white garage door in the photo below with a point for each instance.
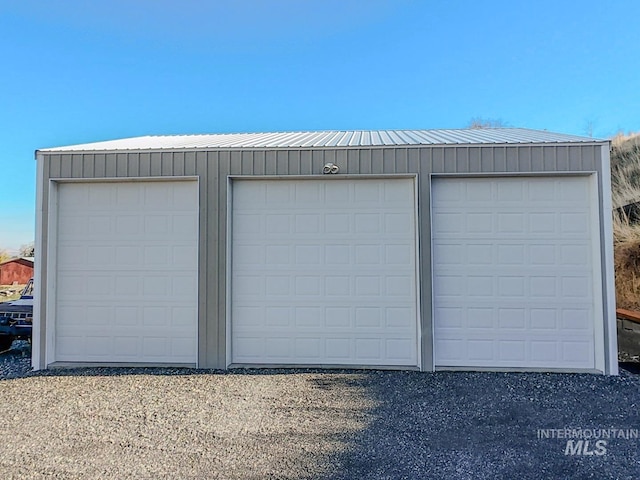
(126, 287)
(515, 279)
(324, 273)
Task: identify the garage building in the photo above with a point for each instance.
(16, 271)
(408, 249)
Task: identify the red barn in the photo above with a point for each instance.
(18, 270)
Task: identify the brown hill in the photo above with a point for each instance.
(625, 184)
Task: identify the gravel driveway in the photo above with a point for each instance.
(172, 423)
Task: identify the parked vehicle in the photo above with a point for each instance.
(16, 318)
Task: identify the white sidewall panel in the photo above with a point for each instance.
(324, 272)
(126, 272)
(516, 275)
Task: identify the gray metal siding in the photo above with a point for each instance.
(602, 160)
(214, 167)
(44, 234)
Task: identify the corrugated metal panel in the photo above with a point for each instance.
(328, 139)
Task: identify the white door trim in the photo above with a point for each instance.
(598, 284)
(231, 179)
(52, 249)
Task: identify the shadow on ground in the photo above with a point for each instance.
(485, 425)
(630, 367)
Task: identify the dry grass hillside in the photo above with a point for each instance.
(10, 292)
(625, 179)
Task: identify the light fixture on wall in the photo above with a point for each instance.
(330, 168)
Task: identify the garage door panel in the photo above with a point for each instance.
(477, 283)
(314, 284)
(349, 318)
(489, 352)
(75, 257)
(314, 350)
(508, 334)
(127, 283)
(513, 272)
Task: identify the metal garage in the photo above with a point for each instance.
(422, 249)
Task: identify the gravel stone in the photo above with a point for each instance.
(169, 423)
(17, 361)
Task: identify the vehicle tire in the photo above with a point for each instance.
(5, 342)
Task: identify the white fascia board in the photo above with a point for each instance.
(269, 148)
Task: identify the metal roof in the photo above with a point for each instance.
(14, 259)
(329, 138)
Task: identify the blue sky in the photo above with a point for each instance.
(79, 71)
